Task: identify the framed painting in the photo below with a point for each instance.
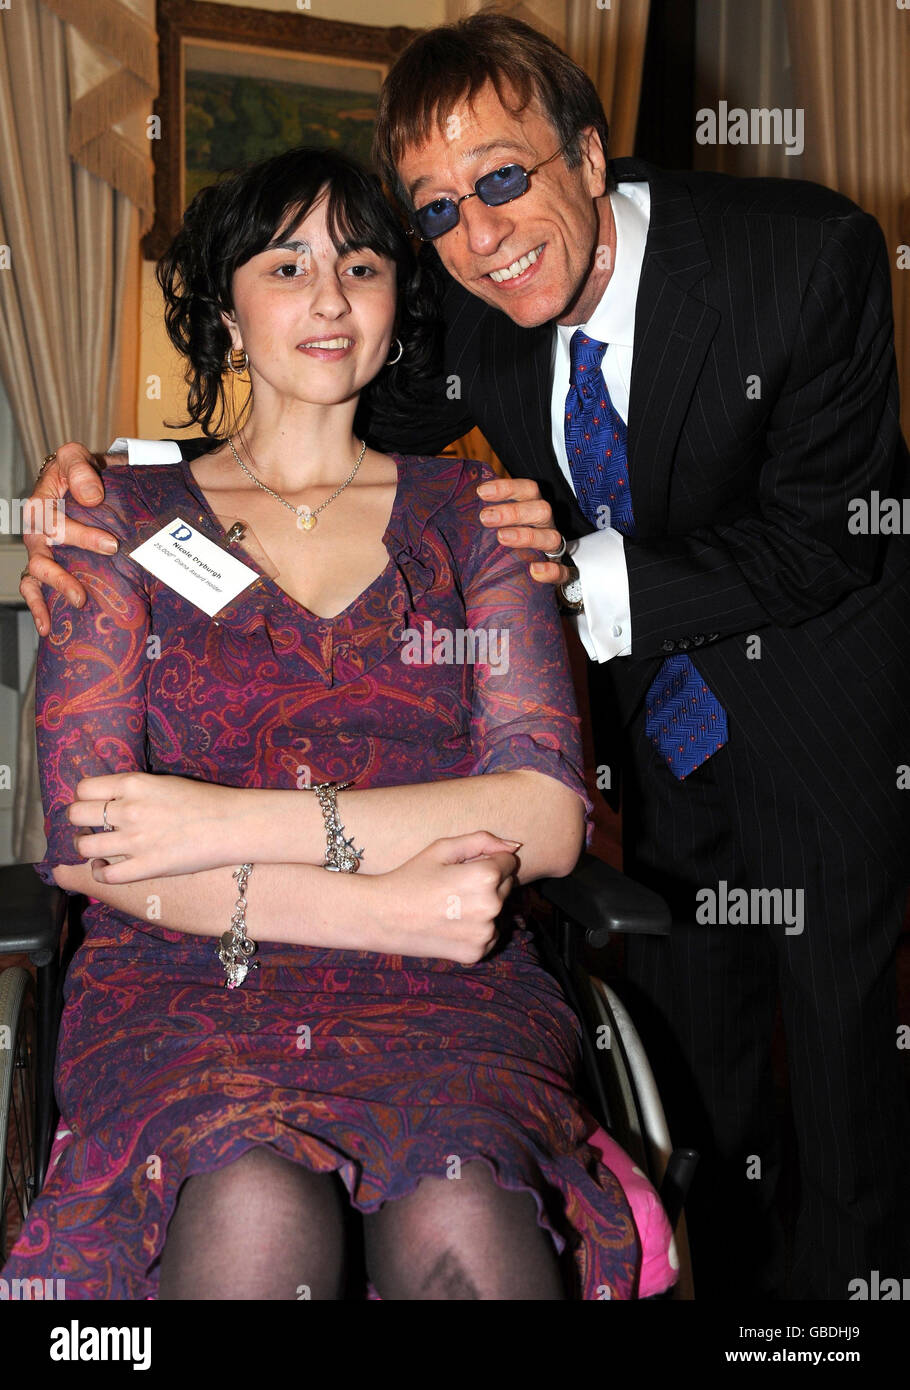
(239, 84)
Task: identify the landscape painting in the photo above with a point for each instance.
(241, 106)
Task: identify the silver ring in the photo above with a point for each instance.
(105, 821)
(556, 554)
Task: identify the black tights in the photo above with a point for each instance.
(267, 1228)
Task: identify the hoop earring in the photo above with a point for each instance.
(230, 364)
(392, 360)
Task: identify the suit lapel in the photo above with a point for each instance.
(526, 384)
(673, 331)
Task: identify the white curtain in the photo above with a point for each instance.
(843, 68)
(609, 43)
(14, 472)
(742, 57)
(68, 370)
(851, 72)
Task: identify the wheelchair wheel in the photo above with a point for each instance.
(639, 1123)
(18, 1139)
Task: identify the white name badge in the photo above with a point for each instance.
(198, 569)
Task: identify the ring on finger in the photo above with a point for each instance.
(105, 821)
(557, 554)
(48, 459)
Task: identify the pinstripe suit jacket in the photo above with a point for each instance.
(764, 398)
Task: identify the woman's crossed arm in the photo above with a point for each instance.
(442, 903)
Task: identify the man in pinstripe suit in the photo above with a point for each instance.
(749, 359)
(750, 354)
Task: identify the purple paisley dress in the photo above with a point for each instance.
(379, 1067)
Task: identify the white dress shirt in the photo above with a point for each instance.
(139, 451)
(605, 626)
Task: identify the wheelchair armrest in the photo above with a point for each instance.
(601, 900)
(31, 914)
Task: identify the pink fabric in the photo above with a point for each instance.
(659, 1259)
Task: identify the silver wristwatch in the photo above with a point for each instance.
(570, 596)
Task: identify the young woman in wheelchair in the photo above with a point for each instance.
(319, 796)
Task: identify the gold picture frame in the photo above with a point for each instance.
(226, 93)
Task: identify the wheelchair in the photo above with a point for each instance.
(586, 909)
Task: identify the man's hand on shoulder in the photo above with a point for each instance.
(73, 470)
(523, 520)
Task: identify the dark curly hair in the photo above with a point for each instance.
(242, 213)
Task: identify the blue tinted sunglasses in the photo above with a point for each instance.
(503, 185)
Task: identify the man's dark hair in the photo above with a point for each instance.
(240, 215)
(451, 63)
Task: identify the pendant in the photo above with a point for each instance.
(305, 519)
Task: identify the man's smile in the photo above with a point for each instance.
(517, 269)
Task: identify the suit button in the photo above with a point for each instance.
(698, 640)
(684, 644)
(668, 646)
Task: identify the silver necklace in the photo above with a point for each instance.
(306, 519)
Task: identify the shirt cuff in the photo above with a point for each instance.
(139, 451)
(605, 626)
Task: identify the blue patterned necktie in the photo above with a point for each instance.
(683, 719)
